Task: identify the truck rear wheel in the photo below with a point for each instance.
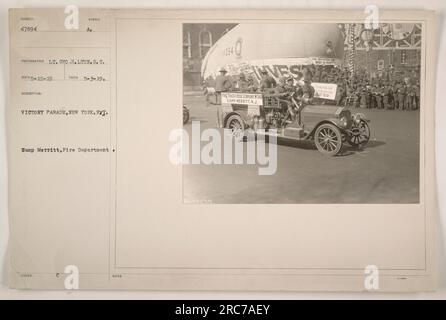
(237, 126)
(360, 135)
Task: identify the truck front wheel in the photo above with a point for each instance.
(328, 139)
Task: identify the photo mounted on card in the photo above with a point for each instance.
(222, 150)
(314, 88)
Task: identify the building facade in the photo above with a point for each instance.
(394, 47)
(391, 48)
(198, 38)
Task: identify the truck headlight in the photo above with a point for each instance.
(344, 121)
(357, 118)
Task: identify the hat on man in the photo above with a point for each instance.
(264, 71)
(223, 70)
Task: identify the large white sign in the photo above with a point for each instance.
(241, 98)
(276, 47)
(275, 67)
(324, 90)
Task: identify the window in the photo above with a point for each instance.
(186, 45)
(204, 42)
(380, 65)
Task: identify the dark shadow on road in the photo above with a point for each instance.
(348, 150)
(374, 144)
(309, 145)
(300, 144)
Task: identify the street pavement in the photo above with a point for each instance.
(385, 171)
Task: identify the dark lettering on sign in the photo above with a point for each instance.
(283, 69)
(296, 71)
(274, 73)
(257, 72)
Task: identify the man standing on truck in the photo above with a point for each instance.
(252, 86)
(307, 90)
(241, 83)
(340, 92)
(222, 84)
(267, 82)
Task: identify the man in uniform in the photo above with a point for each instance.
(324, 75)
(306, 92)
(340, 93)
(401, 96)
(317, 74)
(242, 83)
(386, 96)
(378, 96)
(267, 82)
(363, 97)
(417, 96)
(354, 95)
(252, 86)
(395, 88)
(368, 96)
(307, 73)
(222, 84)
(283, 92)
(410, 97)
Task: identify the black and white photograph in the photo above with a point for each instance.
(290, 112)
(303, 163)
